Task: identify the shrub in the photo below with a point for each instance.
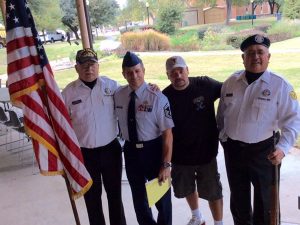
(291, 27)
(263, 27)
(169, 15)
(279, 37)
(185, 41)
(201, 32)
(216, 28)
(148, 40)
(236, 39)
(292, 9)
(214, 41)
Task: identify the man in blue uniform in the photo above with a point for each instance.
(195, 144)
(254, 103)
(89, 100)
(146, 125)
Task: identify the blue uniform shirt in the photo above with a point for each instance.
(153, 114)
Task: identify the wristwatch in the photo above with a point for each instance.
(166, 164)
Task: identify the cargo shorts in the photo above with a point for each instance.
(206, 178)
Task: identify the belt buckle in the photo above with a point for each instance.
(139, 145)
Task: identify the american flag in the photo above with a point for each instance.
(32, 86)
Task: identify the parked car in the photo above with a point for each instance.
(2, 37)
(2, 42)
(52, 37)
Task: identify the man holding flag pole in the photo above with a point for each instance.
(32, 86)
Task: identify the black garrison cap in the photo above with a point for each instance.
(256, 39)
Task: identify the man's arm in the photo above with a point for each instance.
(165, 171)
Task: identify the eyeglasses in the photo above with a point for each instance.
(87, 64)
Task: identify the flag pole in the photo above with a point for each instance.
(3, 10)
(82, 24)
(72, 201)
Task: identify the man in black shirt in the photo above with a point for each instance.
(195, 139)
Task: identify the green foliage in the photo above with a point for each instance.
(235, 40)
(148, 40)
(214, 41)
(134, 11)
(70, 18)
(292, 9)
(285, 26)
(185, 41)
(169, 15)
(46, 14)
(218, 28)
(102, 12)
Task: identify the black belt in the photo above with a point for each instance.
(142, 144)
(245, 145)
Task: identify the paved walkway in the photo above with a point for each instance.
(28, 198)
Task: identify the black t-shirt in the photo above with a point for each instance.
(195, 132)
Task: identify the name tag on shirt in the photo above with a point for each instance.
(76, 102)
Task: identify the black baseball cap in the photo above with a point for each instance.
(86, 54)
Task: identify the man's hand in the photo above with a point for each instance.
(154, 87)
(164, 174)
(276, 156)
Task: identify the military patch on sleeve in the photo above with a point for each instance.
(167, 111)
(293, 95)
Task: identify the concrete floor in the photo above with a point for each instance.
(28, 198)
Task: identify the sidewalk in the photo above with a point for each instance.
(28, 198)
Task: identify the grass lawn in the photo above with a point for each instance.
(218, 66)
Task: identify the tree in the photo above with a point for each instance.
(69, 17)
(102, 12)
(277, 3)
(292, 9)
(46, 14)
(228, 6)
(169, 15)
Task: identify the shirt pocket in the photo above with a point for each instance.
(262, 110)
(79, 113)
(108, 100)
(230, 105)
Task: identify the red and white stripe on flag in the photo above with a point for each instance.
(33, 88)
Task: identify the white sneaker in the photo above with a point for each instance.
(196, 221)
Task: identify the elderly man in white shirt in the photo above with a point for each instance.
(89, 100)
(257, 109)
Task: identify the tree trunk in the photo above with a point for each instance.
(278, 7)
(228, 5)
(74, 29)
(271, 4)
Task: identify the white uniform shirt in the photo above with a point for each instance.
(250, 113)
(92, 111)
(153, 114)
